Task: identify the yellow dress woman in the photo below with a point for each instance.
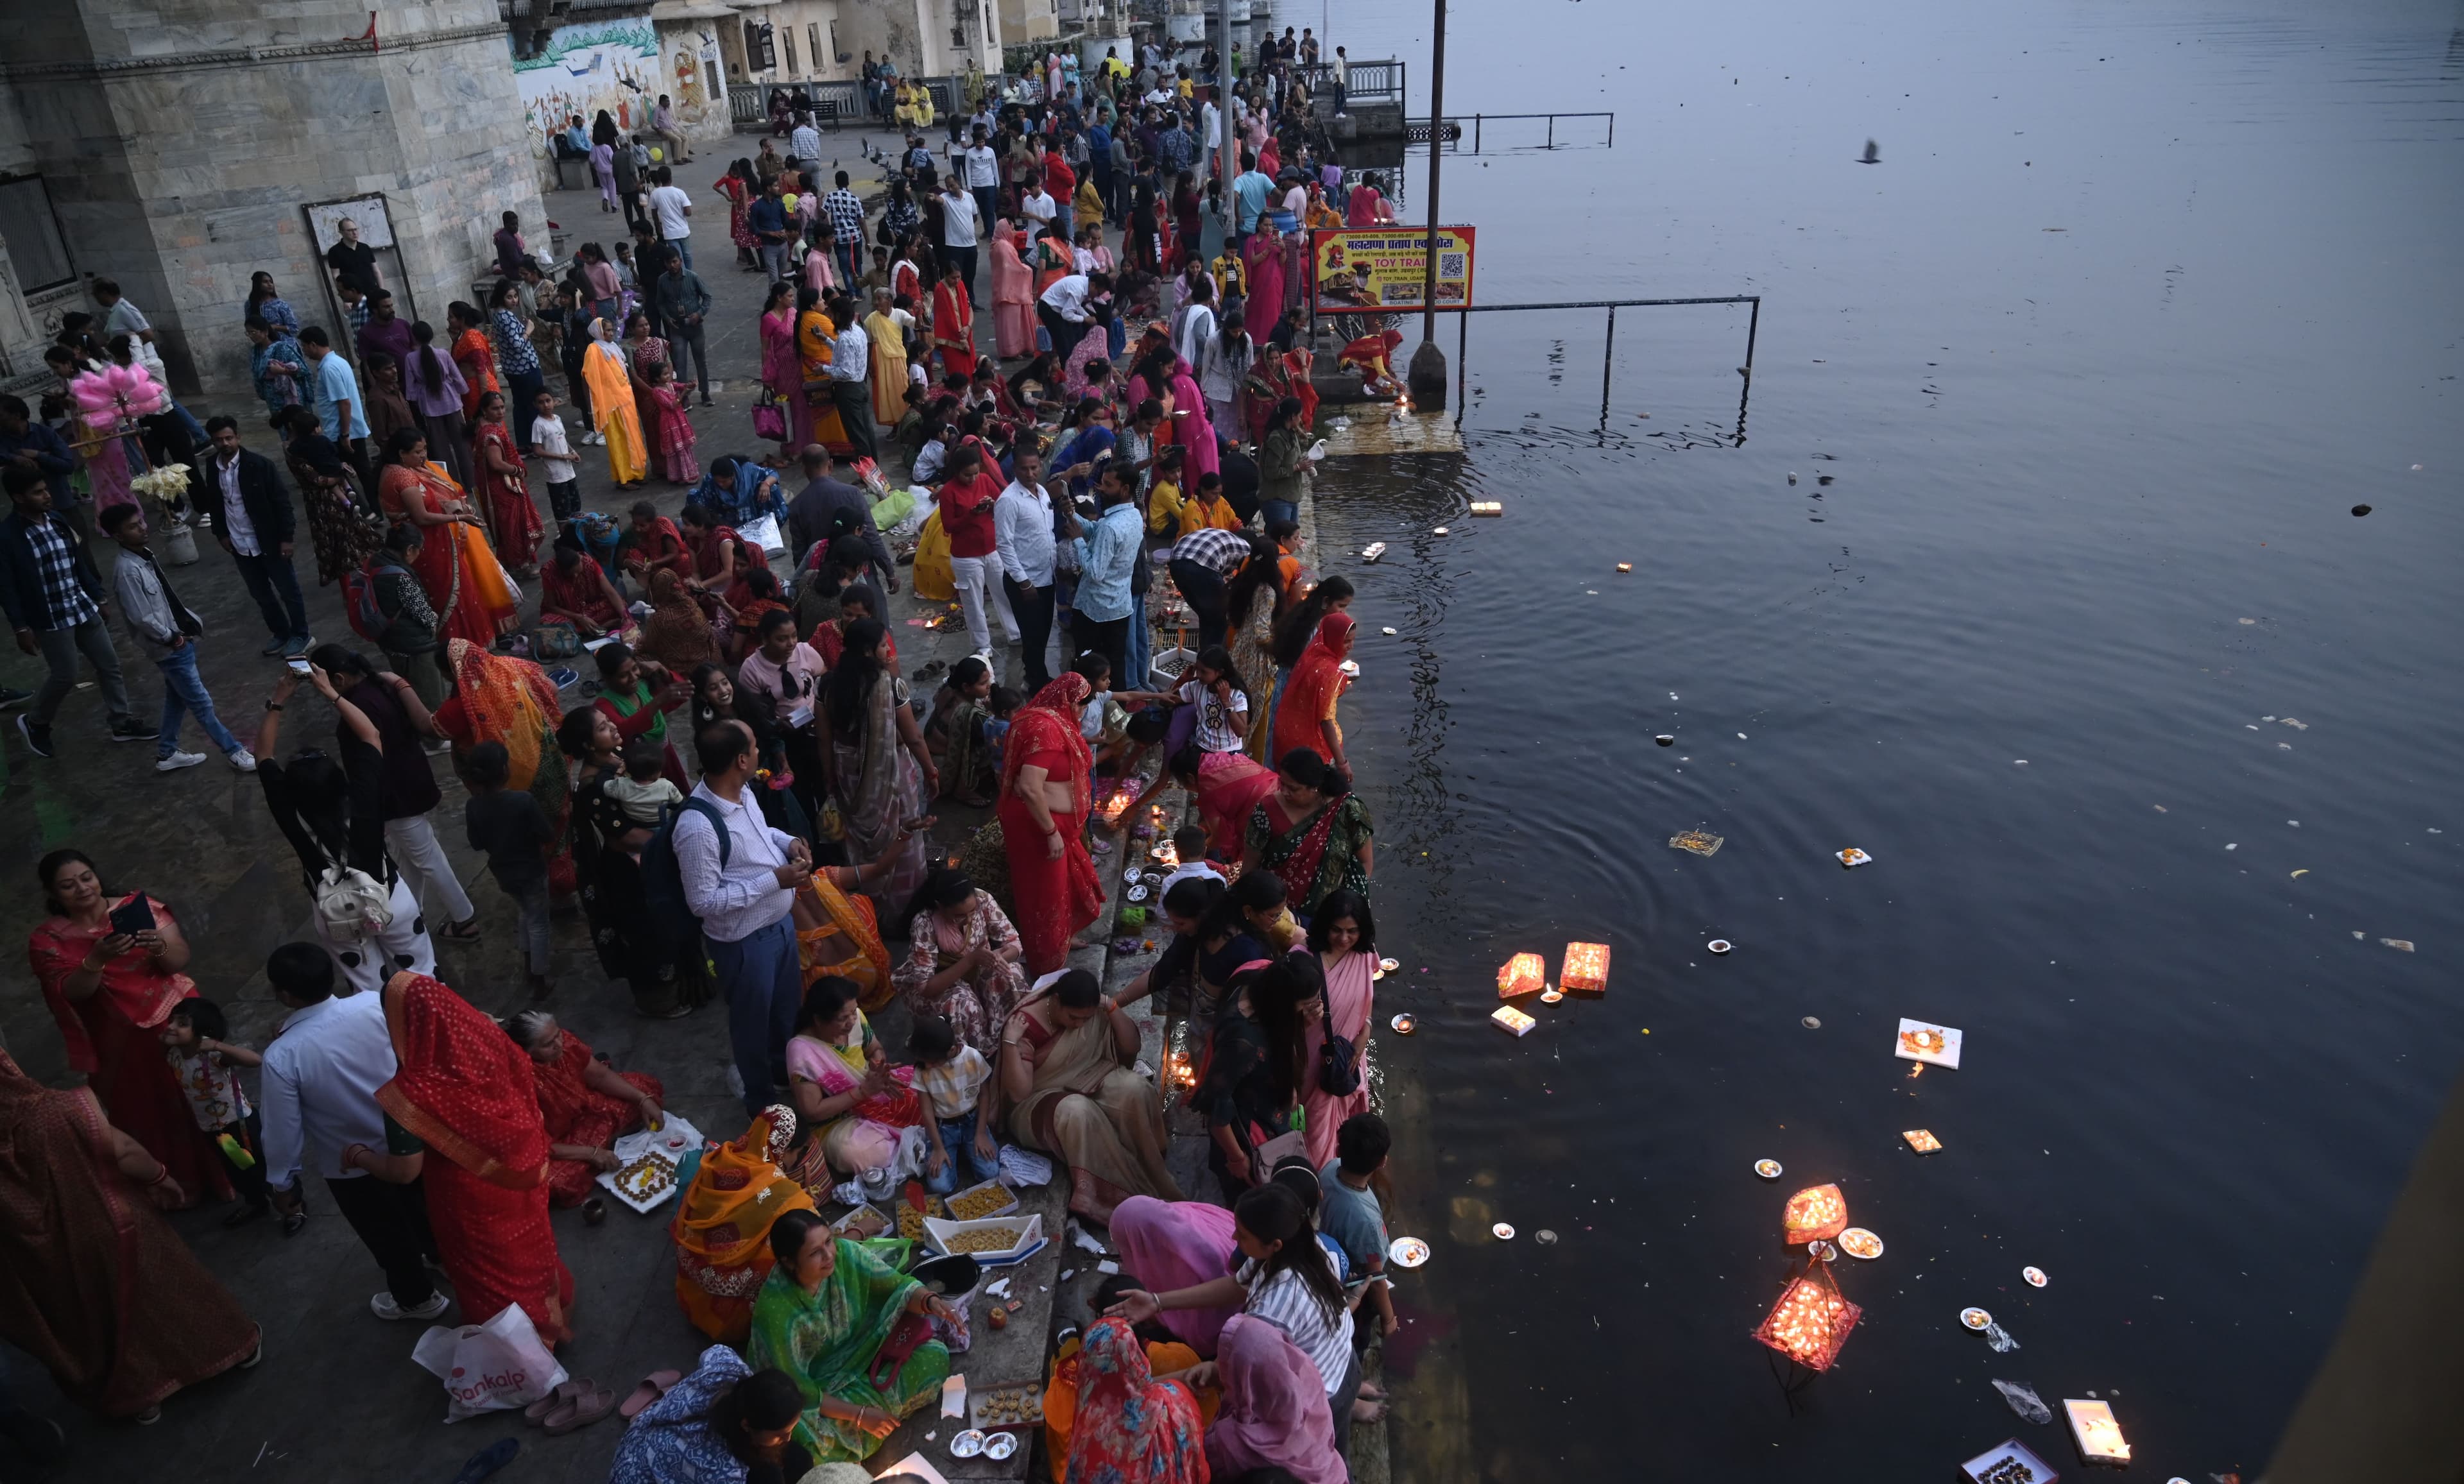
(889, 367)
(611, 402)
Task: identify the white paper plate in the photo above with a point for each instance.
(1407, 1252)
(1975, 1319)
(1768, 1169)
(2035, 1276)
(1501, 1231)
(1858, 1243)
(1404, 1024)
(1719, 945)
(1388, 966)
(1552, 995)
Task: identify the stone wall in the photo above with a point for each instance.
(181, 141)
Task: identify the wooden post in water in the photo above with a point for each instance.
(1428, 376)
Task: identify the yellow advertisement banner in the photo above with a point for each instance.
(1386, 267)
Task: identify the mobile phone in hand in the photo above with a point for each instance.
(133, 916)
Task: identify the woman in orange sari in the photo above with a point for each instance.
(1051, 877)
(837, 934)
(954, 324)
(504, 494)
(499, 698)
(93, 1284)
(464, 1091)
(814, 333)
(583, 1104)
(1305, 718)
(461, 576)
(722, 1226)
(473, 354)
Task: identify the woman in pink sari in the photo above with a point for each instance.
(1263, 257)
(1273, 1416)
(1193, 427)
(782, 371)
(1345, 937)
(1012, 297)
(1179, 1244)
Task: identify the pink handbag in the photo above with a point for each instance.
(770, 421)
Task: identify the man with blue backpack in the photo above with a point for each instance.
(738, 878)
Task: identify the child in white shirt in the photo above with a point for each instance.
(953, 1076)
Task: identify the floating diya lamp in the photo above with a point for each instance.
(1525, 973)
(1488, 506)
(1811, 1321)
(2099, 1436)
(1818, 1212)
(1587, 968)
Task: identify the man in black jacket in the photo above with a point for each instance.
(251, 509)
(55, 600)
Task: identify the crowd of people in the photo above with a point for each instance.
(740, 808)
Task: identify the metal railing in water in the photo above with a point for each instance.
(1608, 358)
(1478, 119)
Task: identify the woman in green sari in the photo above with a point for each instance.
(1312, 833)
(824, 1317)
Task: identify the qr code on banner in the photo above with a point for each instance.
(1450, 265)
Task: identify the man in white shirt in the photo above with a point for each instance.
(1062, 309)
(850, 376)
(318, 1086)
(1194, 325)
(804, 144)
(962, 222)
(1038, 207)
(1210, 134)
(741, 878)
(984, 175)
(672, 209)
(1023, 539)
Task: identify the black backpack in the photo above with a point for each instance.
(1339, 1067)
(673, 926)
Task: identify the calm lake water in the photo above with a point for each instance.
(2151, 740)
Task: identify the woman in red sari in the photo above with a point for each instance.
(93, 1284)
(1130, 1428)
(1305, 717)
(503, 492)
(111, 992)
(1045, 777)
(739, 186)
(782, 371)
(463, 580)
(465, 1092)
(584, 1102)
(954, 324)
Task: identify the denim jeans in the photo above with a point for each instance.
(683, 245)
(958, 1142)
(766, 987)
(530, 924)
(183, 692)
(275, 587)
(60, 649)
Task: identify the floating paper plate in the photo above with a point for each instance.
(1404, 1024)
(1975, 1319)
(1665, 739)
(1407, 1252)
(1768, 1169)
(2035, 1276)
(1852, 856)
(1821, 1251)
(1552, 995)
(1858, 1242)
(967, 1444)
(1001, 1445)
(1501, 1231)
(1719, 945)
(1351, 668)
(1438, 531)
(1133, 875)
(1387, 966)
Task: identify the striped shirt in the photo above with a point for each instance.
(1225, 551)
(954, 1086)
(1287, 1302)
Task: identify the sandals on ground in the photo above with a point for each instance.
(652, 1386)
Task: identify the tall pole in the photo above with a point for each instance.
(1428, 376)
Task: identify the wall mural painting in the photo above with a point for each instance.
(612, 65)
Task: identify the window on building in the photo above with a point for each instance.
(759, 54)
(36, 247)
(813, 47)
(792, 68)
(834, 41)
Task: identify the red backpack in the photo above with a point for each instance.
(360, 602)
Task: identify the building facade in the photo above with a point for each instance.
(782, 43)
(181, 148)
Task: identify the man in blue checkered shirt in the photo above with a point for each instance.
(846, 218)
(53, 597)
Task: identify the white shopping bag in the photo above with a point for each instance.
(489, 1367)
(765, 531)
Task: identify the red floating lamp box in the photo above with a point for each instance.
(1587, 969)
(1812, 1320)
(1525, 973)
